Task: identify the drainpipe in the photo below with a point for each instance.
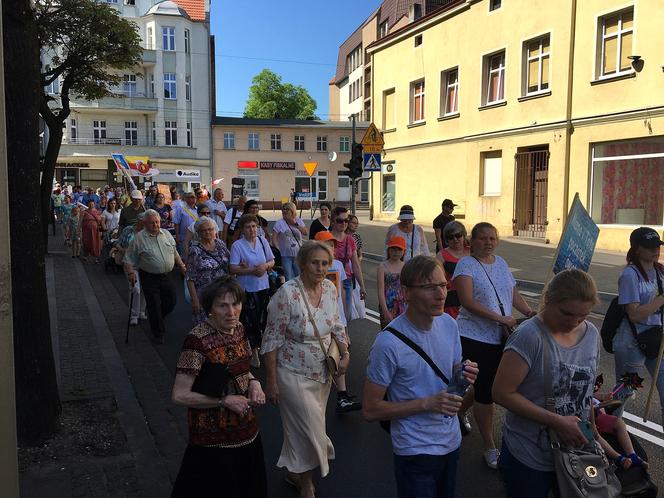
(569, 128)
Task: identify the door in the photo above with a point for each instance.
(343, 189)
(389, 193)
(531, 191)
(364, 191)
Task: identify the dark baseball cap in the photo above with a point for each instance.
(449, 203)
(645, 237)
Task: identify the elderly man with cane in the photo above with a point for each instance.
(152, 255)
(136, 298)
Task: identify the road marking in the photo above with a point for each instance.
(547, 256)
(513, 269)
(603, 265)
(372, 319)
(639, 420)
(372, 312)
(379, 257)
(644, 435)
(528, 293)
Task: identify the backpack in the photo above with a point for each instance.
(613, 317)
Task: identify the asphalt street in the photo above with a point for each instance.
(363, 464)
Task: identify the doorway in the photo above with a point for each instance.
(531, 181)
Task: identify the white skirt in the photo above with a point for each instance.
(302, 404)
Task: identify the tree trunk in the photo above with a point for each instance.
(37, 400)
(48, 171)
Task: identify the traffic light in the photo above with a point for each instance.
(355, 168)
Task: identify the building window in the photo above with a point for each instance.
(168, 38)
(171, 132)
(187, 88)
(275, 141)
(154, 133)
(495, 4)
(321, 144)
(73, 131)
(322, 185)
(344, 144)
(417, 102)
(494, 78)
(170, 86)
(627, 179)
(383, 29)
(616, 35)
(450, 86)
(152, 86)
(149, 43)
(389, 110)
(251, 184)
(53, 88)
(187, 41)
(253, 142)
(131, 133)
(229, 140)
(354, 59)
(305, 185)
(129, 85)
(418, 40)
(536, 54)
(299, 143)
(99, 131)
(491, 174)
(189, 141)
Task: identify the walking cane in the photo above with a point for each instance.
(131, 305)
(653, 383)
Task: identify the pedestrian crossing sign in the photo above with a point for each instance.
(372, 162)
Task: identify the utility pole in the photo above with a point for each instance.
(352, 180)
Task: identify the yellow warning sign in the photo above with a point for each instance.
(373, 136)
(310, 168)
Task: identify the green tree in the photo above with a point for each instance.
(269, 98)
(86, 45)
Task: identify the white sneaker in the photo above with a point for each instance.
(133, 321)
(491, 458)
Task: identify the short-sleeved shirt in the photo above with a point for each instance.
(633, 288)
(439, 223)
(317, 226)
(475, 327)
(396, 366)
(57, 200)
(290, 331)
(416, 242)
(152, 253)
(289, 238)
(232, 217)
(573, 372)
(220, 426)
(337, 275)
(112, 219)
(242, 252)
(183, 217)
(129, 215)
(217, 206)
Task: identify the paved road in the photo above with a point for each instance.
(364, 460)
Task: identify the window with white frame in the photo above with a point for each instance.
(275, 141)
(354, 59)
(494, 78)
(170, 86)
(189, 140)
(129, 85)
(450, 87)
(627, 178)
(171, 132)
(495, 4)
(322, 185)
(131, 133)
(154, 133)
(321, 144)
(99, 131)
(344, 144)
(491, 174)
(187, 41)
(152, 85)
(417, 101)
(536, 55)
(383, 29)
(73, 130)
(253, 142)
(389, 110)
(299, 143)
(53, 88)
(187, 88)
(616, 32)
(306, 186)
(229, 140)
(251, 184)
(149, 43)
(168, 38)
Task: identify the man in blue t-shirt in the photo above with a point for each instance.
(424, 426)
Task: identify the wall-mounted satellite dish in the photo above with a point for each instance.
(332, 156)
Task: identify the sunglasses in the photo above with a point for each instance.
(341, 220)
(205, 213)
(456, 236)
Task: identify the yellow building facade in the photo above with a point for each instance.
(510, 108)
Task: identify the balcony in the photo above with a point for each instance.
(149, 57)
(104, 147)
(125, 102)
(141, 142)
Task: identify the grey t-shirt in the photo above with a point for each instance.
(633, 288)
(573, 371)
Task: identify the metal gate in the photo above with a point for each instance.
(530, 193)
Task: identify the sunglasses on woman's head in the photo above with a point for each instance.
(341, 220)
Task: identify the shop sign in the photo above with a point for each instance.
(277, 165)
(247, 164)
(72, 165)
(189, 174)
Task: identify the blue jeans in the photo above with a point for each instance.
(522, 481)
(426, 476)
(348, 290)
(629, 358)
(289, 266)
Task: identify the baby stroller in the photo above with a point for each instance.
(110, 252)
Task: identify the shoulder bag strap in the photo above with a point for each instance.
(294, 234)
(549, 400)
(311, 317)
(420, 351)
(661, 291)
(500, 303)
(632, 326)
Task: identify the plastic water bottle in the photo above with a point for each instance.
(458, 383)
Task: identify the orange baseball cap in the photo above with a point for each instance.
(397, 241)
(324, 236)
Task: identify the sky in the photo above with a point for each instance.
(308, 31)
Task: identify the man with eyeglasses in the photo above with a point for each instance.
(201, 210)
(440, 221)
(423, 416)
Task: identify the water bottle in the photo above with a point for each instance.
(458, 383)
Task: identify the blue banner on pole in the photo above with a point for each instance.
(577, 244)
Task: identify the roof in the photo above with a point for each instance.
(286, 123)
(195, 9)
(167, 8)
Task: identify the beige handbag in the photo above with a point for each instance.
(332, 356)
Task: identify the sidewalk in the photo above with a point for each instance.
(109, 442)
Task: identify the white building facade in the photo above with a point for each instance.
(162, 109)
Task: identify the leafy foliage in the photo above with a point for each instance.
(269, 98)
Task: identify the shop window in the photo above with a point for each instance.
(305, 185)
(491, 173)
(389, 193)
(251, 185)
(627, 179)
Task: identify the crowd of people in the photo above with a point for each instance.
(450, 347)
